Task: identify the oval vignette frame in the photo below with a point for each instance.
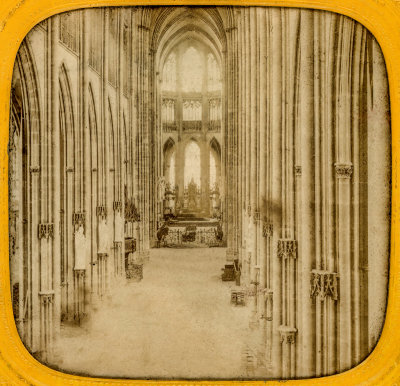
(380, 17)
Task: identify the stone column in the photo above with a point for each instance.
(307, 209)
(344, 169)
(276, 178)
(379, 162)
(54, 25)
(263, 160)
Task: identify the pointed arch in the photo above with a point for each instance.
(68, 178)
(168, 144)
(25, 192)
(192, 169)
(67, 124)
(214, 145)
(93, 130)
(215, 163)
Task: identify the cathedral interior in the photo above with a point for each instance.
(214, 179)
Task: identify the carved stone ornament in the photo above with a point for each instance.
(78, 220)
(46, 231)
(256, 216)
(323, 284)
(46, 297)
(344, 170)
(80, 273)
(34, 169)
(287, 248)
(269, 302)
(102, 256)
(117, 244)
(288, 334)
(131, 212)
(117, 206)
(101, 211)
(268, 229)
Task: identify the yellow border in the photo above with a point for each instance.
(381, 17)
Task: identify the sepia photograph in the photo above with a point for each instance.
(199, 192)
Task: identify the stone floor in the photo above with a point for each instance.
(176, 323)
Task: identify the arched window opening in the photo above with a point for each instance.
(192, 71)
(213, 171)
(169, 74)
(192, 164)
(168, 114)
(214, 113)
(169, 163)
(214, 74)
(171, 179)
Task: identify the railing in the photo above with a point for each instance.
(191, 125)
(169, 127)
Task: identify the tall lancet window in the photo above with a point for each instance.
(192, 164)
(213, 171)
(172, 170)
(69, 30)
(113, 47)
(169, 74)
(192, 71)
(96, 38)
(214, 74)
(168, 114)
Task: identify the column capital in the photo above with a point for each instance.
(268, 229)
(34, 169)
(288, 334)
(102, 256)
(80, 273)
(46, 297)
(323, 284)
(117, 206)
(343, 170)
(101, 211)
(117, 245)
(45, 231)
(78, 220)
(287, 248)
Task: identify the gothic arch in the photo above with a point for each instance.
(24, 148)
(68, 180)
(214, 144)
(169, 143)
(67, 115)
(94, 190)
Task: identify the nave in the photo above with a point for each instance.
(176, 323)
(275, 145)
